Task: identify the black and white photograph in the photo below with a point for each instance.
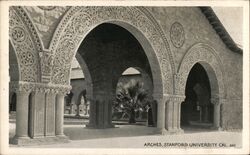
(123, 77)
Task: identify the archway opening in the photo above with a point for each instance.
(197, 109)
(134, 102)
(104, 54)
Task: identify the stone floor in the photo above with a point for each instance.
(136, 136)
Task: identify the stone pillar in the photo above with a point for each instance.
(173, 113)
(37, 114)
(22, 90)
(22, 109)
(59, 114)
(100, 112)
(92, 115)
(36, 120)
(78, 103)
(217, 112)
(50, 113)
(161, 115)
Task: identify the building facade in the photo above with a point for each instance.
(193, 64)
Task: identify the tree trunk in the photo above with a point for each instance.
(132, 116)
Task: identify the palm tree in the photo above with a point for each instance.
(130, 97)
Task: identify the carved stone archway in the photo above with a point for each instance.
(39, 111)
(72, 30)
(210, 61)
(26, 44)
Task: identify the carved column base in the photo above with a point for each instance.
(21, 141)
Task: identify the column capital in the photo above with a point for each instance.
(174, 98)
(216, 100)
(39, 87)
(20, 87)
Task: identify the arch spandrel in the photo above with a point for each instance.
(23, 38)
(207, 57)
(72, 30)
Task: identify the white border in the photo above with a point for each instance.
(4, 78)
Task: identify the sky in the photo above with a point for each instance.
(232, 20)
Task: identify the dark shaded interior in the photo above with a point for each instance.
(197, 108)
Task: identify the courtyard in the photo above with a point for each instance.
(124, 135)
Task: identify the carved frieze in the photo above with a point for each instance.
(19, 86)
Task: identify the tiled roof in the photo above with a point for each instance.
(220, 30)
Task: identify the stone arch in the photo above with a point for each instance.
(87, 76)
(210, 61)
(72, 30)
(26, 44)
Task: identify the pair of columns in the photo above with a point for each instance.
(100, 112)
(39, 112)
(169, 113)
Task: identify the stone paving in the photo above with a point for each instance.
(138, 136)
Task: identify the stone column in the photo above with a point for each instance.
(217, 112)
(78, 103)
(59, 114)
(161, 115)
(173, 113)
(22, 109)
(92, 116)
(100, 112)
(22, 90)
(37, 113)
(50, 113)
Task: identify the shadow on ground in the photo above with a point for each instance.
(77, 132)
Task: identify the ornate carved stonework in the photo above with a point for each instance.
(18, 86)
(72, 30)
(206, 56)
(18, 34)
(46, 59)
(177, 34)
(25, 46)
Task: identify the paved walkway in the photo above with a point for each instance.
(139, 136)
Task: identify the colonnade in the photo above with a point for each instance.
(39, 112)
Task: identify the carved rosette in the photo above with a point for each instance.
(199, 53)
(73, 30)
(177, 34)
(25, 47)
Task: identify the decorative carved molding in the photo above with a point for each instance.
(24, 45)
(18, 86)
(204, 54)
(34, 35)
(175, 98)
(46, 59)
(72, 30)
(177, 34)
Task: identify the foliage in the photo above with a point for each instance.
(131, 97)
